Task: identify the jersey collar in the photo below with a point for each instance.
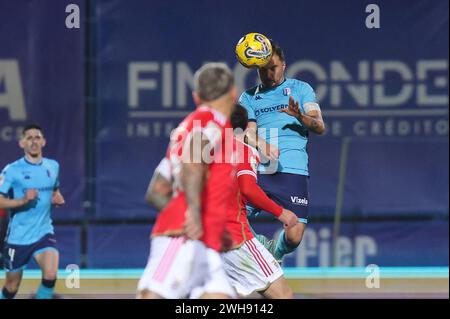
(261, 89)
(35, 164)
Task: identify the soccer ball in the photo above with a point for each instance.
(253, 50)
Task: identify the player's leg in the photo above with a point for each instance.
(168, 273)
(269, 244)
(47, 257)
(15, 260)
(215, 283)
(252, 268)
(288, 240)
(279, 289)
(212, 295)
(48, 262)
(12, 283)
(147, 294)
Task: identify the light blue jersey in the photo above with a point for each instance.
(30, 223)
(263, 107)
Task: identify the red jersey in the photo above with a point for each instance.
(237, 221)
(220, 188)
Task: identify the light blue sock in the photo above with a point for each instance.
(283, 246)
(44, 292)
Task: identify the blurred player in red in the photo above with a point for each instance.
(188, 233)
(248, 264)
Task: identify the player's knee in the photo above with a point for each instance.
(50, 274)
(295, 234)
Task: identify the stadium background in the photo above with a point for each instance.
(109, 93)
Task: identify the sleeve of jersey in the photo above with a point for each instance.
(6, 181)
(309, 99)
(254, 194)
(164, 169)
(244, 101)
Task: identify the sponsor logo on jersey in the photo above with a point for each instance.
(286, 91)
(270, 109)
(303, 201)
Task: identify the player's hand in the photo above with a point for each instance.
(270, 151)
(30, 195)
(58, 199)
(193, 226)
(288, 218)
(293, 108)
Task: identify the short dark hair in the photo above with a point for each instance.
(239, 117)
(276, 49)
(32, 127)
(213, 80)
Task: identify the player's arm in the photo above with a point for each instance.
(159, 191)
(312, 119)
(255, 195)
(6, 203)
(252, 138)
(193, 175)
(57, 198)
(251, 133)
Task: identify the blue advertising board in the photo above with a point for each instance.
(42, 81)
(385, 89)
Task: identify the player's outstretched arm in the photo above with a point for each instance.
(6, 203)
(312, 120)
(252, 138)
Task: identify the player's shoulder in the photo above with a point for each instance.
(297, 83)
(12, 167)
(50, 162)
(250, 92)
(301, 86)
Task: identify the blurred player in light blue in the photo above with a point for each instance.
(282, 112)
(28, 189)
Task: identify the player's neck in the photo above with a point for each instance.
(221, 107)
(267, 88)
(33, 159)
